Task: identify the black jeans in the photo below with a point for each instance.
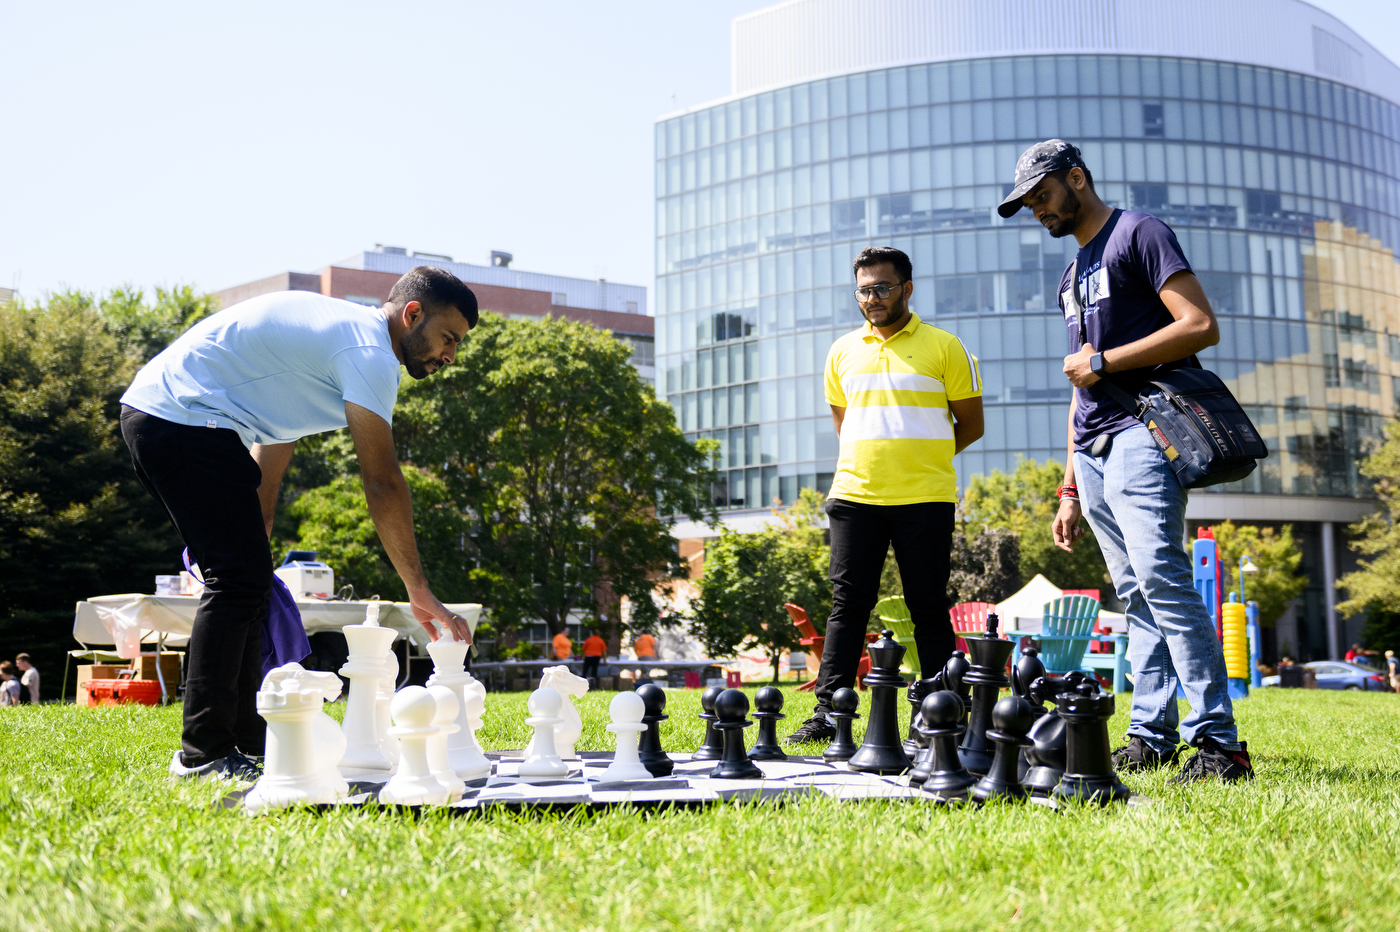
(208, 484)
(861, 535)
(590, 666)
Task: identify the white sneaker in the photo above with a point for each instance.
(235, 767)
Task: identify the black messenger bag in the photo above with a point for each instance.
(1198, 425)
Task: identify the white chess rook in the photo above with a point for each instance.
(414, 784)
(364, 669)
(447, 708)
(543, 762)
(463, 753)
(567, 685)
(626, 710)
(301, 757)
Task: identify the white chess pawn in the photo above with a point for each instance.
(463, 753)
(467, 761)
(413, 710)
(389, 678)
(291, 700)
(544, 762)
(437, 745)
(626, 711)
(364, 669)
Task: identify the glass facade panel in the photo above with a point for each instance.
(1283, 191)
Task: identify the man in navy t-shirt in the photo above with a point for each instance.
(1144, 313)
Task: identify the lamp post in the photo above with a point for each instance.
(1247, 568)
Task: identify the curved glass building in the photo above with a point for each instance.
(1269, 141)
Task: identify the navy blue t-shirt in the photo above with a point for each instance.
(1120, 272)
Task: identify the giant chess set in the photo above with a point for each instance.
(965, 743)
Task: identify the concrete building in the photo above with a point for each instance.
(1266, 132)
(366, 278)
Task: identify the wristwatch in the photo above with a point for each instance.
(1097, 365)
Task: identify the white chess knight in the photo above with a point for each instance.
(443, 721)
(303, 743)
(626, 711)
(463, 753)
(542, 761)
(414, 784)
(567, 732)
(364, 753)
(389, 677)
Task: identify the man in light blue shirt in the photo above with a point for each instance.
(211, 423)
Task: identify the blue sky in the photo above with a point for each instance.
(161, 143)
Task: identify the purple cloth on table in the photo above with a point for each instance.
(283, 636)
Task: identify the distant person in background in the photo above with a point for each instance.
(645, 646)
(563, 647)
(1392, 669)
(1358, 654)
(28, 679)
(1285, 661)
(593, 651)
(9, 684)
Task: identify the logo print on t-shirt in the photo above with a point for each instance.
(1095, 287)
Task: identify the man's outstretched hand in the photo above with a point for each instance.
(435, 616)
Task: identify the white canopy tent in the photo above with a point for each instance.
(1023, 611)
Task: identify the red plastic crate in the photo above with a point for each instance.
(117, 692)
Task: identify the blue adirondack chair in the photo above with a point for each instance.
(1066, 626)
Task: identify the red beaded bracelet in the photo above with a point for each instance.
(1073, 491)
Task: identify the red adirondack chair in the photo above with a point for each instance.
(969, 618)
(810, 638)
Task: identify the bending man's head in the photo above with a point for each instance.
(434, 310)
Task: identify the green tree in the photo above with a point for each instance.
(1276, 554)
(74, 520)
(544, 433)
(1024, 502)
(146, 329)
(1373, 587)
(334, 521)
(986, 567)
(748, 577)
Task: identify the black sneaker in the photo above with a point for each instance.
(1137, 756)
(236, 767)
(816, 728)
(1211, 760)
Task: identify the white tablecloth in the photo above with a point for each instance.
(111, 619)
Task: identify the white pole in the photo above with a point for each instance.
(1329, 595)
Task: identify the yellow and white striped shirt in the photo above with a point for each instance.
(897, 436)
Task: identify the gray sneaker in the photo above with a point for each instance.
(816, 728)
(235, 767)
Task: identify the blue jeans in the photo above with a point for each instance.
(1137, 509)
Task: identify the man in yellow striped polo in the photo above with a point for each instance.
(905, 397)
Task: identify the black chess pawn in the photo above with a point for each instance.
(713, 747)
(653, 758)
(882, 752)
(1045, 756)
(939, 771)
(732, 709)
(987, 678)
(844, 703)
(1089, 774)
(954, 674)
(916, 743)
(768, 703)
(1011, 719)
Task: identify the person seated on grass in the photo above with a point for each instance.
(9, 684)
(211, 423)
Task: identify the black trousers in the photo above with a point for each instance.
(208, 484)
(861, 535)
(590, 666)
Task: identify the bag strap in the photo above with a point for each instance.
(1133, 405)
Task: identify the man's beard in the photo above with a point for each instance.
(417, 351)
(894, 310)
(1064, 225)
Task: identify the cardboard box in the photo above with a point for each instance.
(95, 671)
(145, 667)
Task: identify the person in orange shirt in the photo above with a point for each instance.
(563, 647)
(593, 651)
(645, 646)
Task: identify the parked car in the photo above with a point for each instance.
(1339, 674)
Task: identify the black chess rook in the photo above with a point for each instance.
(732, 709)
(1089, 775)
(987, 679)
(768, 706)
(882, 752)
(713, 746)
(844, 703)
(649, 749)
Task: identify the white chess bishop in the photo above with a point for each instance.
(414, 784)
(463, 753)
(542, 761)
(304, 745)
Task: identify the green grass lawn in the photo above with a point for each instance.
(93, 836)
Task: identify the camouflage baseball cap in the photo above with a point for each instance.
(1035, 163)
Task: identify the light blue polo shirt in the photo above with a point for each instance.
(276, 368)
